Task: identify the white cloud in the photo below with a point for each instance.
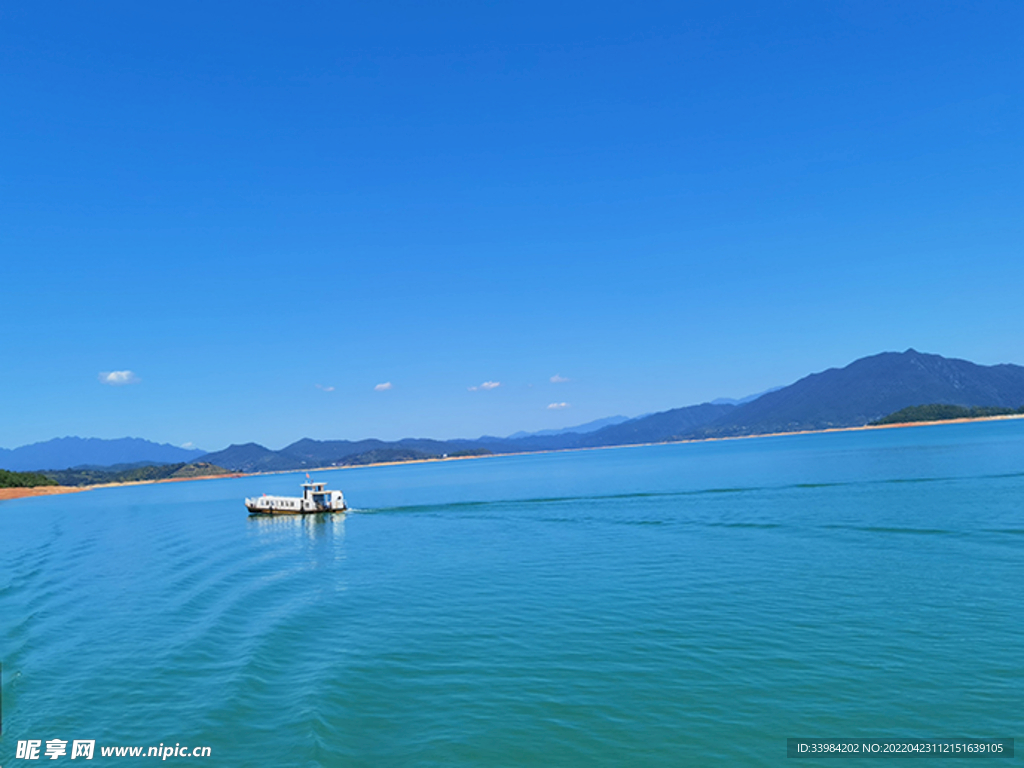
(188, 446)
(556, 379)
(118, 378)
(557, 406)
(325, 389)
(383, 387)
(486, 385)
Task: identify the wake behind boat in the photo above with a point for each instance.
(314, 499)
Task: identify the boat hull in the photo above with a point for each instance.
(272, 511)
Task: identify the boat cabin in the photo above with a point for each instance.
(315, 493)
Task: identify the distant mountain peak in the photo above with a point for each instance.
(581, 429)
(742, 400)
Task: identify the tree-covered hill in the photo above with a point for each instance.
(942, 412)
(10, 479)
(97, 476)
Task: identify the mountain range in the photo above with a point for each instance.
(864, 391)
(88, 452)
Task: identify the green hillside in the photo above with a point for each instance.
(23, 479)
(942, 412)
(92, 476)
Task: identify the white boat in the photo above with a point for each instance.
(314, 499)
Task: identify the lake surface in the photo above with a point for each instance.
(669, 605)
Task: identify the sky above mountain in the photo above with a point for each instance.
(257, 222)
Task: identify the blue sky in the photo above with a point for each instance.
(660, 203)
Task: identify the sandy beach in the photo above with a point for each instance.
(39, 490)
(50, 490)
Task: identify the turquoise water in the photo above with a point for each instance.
(666, 605)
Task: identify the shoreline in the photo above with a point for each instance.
(8, 494)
